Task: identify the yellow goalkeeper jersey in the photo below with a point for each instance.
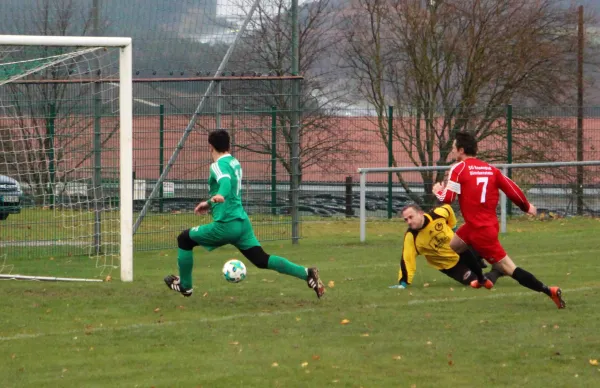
(431, 241)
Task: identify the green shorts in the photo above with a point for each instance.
(238, 233)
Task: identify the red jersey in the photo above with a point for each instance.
(477, 185)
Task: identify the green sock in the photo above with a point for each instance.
(285, 266)
(185, 261)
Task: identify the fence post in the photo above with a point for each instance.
(274, 160)
(97, 163)
(295, 124)
(50, 129)
(503, 203)
(161, 156)
(509, 148)
(219, 107)
(363, 204)
(349, 211)
(390, 158)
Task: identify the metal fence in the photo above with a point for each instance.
(333, 143)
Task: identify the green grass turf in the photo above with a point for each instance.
(141, 334)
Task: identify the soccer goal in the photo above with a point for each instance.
(66, 182)
(551, 186)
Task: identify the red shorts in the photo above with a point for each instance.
(484, 240)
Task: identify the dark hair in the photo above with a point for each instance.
(219, 139)
(414, 206)
(466, 141)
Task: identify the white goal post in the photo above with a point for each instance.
(125, 117)
(503, 203)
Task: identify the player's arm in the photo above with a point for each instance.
(224, 181)
(408, 262)
(447, 212)
(512, 191)
(448, 192)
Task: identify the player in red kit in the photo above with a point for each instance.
(477, 185)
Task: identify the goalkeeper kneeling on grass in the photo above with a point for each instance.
(429, 234)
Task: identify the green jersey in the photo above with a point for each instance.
(226, 179)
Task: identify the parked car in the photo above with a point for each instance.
(10, 197)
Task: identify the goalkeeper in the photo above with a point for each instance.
(429, 234)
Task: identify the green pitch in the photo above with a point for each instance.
(271, 331)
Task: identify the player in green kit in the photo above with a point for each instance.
(230, 225)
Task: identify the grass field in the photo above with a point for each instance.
(271, 331)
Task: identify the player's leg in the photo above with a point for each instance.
(493, 275)
(460, 244)
(250, 247)
(527, 279)
(461, 273)
(261, 259)
(208, 236)
(457, 243)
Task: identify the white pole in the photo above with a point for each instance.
(52, 40)
(126, 160)
(503, 205)
(363, 213)
(47, 278)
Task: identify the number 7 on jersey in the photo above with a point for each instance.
(484, 181)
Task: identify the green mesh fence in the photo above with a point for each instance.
(259, 125)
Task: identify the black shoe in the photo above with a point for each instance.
(173, 283)
(482, 263)
(314, 282)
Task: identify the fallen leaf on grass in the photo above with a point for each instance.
(108, 278)
(316, 357)
(234, 343)
(331, 284)
(426, 285)
(397, 357)
(304, 364)
(156, 310)
(594, 362)
(364, 335)
(274, 365)
(345, 321)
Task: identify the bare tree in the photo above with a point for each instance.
(267, 49)
(37, 112)
(454, 65)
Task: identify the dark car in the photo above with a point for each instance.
(10, 197)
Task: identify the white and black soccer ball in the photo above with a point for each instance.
(234, 271)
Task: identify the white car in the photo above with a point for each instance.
(10, 197)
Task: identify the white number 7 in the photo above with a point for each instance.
(483, 180)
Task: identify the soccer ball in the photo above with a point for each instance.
(234, 271)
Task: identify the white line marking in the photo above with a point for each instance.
(490, 296)
(154, 324)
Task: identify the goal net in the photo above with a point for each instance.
(551, 186)
(65, 158)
